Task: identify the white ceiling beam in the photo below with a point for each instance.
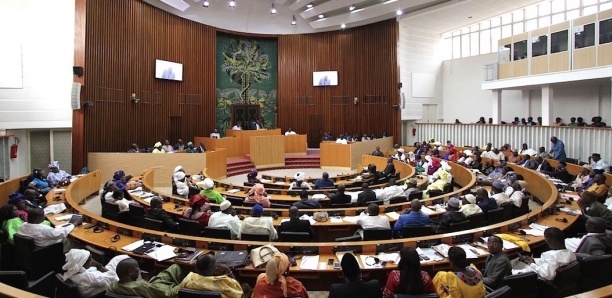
(328, 6)
(177, 4)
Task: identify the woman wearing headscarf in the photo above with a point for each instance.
(157, 148)
(199, 210)
(56, 175)
(442, 177)
(258, 194)
(119, 179)
(299, 181)
(435, 165)
(408, 279)
(252, 176)
(89, 276)
(276, 283)
(463, 281)
(11, 221)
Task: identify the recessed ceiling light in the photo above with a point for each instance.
(273, 10)
(205, 4)
(399, 12)
(293, 22)
(309, 5)
(232, 3)
(343, 26)
(321, 16)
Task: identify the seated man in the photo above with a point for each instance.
(89, 276)
(546, 266)
(305, 202)
(599, 187)
(207, 191)
(560, 172)
(289, 132)
(469, 206)
(257, 224)
(165, 284)
(340, 197)
(372, 220)
(597, 242)
(354, 286)
(515, 191)
(225, 219)
(590, 207)
(158, 213)
(497, 265)
(377, 152)
(42, 234)
(366, 195)
(412, 217)
(299, 182)
(324, 181)
(501, 198)
(599, 165)
(452, 215)
(215, 134)
(205, 279)
(392, 190)
(56, 175)
(184, 187)
(409, 186)
(295, 224)
(200, 148)
(390, 168)
(118, 198)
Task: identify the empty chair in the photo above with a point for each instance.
(189, 227)
(409, 232)
(279, 206)
(431, 295)
(110, 210)
(524, 285)
(349, 238)
(417, 194)
(495, 216)
(565, 283)
(459, 226)
(249, 184)
(295, 237)
(235, 201)
(18, 279)
(190, 293)
(113, 295)
(65, 288)
(153, 224)
(396, 200)
(37, 261)
(220, 233)
(435, 193)
(254, 236)
(377, 234)
(248, 204)
(477, 220)
(503, 292)
(137, 215)
(595, 272)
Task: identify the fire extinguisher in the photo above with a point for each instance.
(14, 148)
(413, 131)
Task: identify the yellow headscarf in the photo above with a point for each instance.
(275, 270)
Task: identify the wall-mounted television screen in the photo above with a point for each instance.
(167, 70)
(325, 78)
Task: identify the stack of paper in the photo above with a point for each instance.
(318, 196)
(351, 219)
(429, 254)
(393, 215)
(507, 244)
(308, 218)
(233, 190)
(389, 257)
(55, 209)
(442, 249)
(426, 210)
(310, 263)
(163, 253)
(133, 246)
(335, 219)
(472, 252)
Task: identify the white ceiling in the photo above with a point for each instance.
(253, 16)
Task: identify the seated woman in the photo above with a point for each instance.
(252, 176)
(39, 182)
(463, 281)
(119, 199)
(184, 187)
(408, 279)
(257, 194)
(108, 190)
(299, 182)
(443, 177)
(18, 200)
(199, 210)
(276, 283)
(56, 175)
(190, 148)
(11, 220)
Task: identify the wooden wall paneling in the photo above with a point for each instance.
(78, 144)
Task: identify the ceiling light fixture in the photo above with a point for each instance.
(273, 10)
(343, 26)
(352, 7)
(294, 21)
(232, 3)
(321, 16)
(205, 4)
(309, 5)
(399, 12)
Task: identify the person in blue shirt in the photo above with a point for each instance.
(324, 182)
(39, 182)
(558, 149)
(413, 218)
(485, 202)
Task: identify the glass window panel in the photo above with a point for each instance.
(456, 47)
(531, 12)
(572, 4)
(446, 35)
(517, 16)
(485, 42)
(465, 30)
(584, 36)
(558, 5)
(485, 25)
(517, 28)
(465, 45)
(589, 10)
(605, 6)
(570, 15)
(539, 46)
(448, 49)
(457, 33)
(589, 2)
(495, 37)
(506, 31)
(544, 8)
(474, 44)
(531, 25)
(558, 41)
(558, 18)
(504, 54)
(495, 22)
(506, 19)
(545, 21)
(475, 28)
(605, 31)
(520, 50)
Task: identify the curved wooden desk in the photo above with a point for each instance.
(8, 187)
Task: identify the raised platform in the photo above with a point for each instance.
(310, 160)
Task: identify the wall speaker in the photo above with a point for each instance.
(75, 96)
(77, 71)
(399, 85)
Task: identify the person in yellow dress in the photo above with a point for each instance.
(462, 281)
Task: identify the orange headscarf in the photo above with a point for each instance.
(275, 270)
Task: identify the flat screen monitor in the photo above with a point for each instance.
(167, 70)
(325, 78)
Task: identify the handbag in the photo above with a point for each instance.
(64, 182)
(261, 255)
(320, 216)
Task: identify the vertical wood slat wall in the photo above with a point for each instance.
(123, 39)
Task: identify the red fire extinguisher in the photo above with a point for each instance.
(14, 148)
(413, 131)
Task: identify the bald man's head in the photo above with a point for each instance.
(415, 205)
(595, 225)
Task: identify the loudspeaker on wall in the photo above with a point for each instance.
(75, 96)
(77, 71)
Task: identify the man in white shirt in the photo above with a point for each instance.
(215, 134)
(372, 220)
(289, 132)
(546, 266)
(391, 191)
(469, 205)
(257, 224)
(89, 276)
(599, 165)
(45, 235)
(497, 187)
(225, 219)
(597, 242)
(515, 192)
(497, 155)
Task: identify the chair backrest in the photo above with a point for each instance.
(189, 227)
(65, 288)
(248, 204)
(417, 194)
(430, 295)
(377, 234)
(137, 211)
(235, 201)
(503, 292)
(495, 216)
(279, 206)
(477, 220)
(347, 205)
(396, 200)
(351, 238)
(16, 279)
(110, 210)
(524, 285)
(409, 232)
(153, 224)
(377, 202)
(435, 193)
(567, 279)
(248, 184)
(113, 295)
(220, 233)
(189, 293)
(254, 236)
(295, 237)
(459, 226)
(596, 272)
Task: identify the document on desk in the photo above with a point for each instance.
(148, 200)
(310, 263)
(429, 253)
(472, 252)
(335, 219)
(507, 244)
(163, 253)
(137, 189)
(570, 211)
(394, 215)
(63, 217)
(318, 196)
(265, 180)
(426, 210)
(351, 219)
(55, 209)
(233, 190)
(133, 246)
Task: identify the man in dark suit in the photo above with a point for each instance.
(452, 215)
(598, 241)
(497, 265)
(389, 169)
(590, 207)
(324, 182)
(340, 197)
(353, 286)
(305, 202)
(295, 224)
(366, 196)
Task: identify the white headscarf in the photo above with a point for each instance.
(178, 168)
(75, 260)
